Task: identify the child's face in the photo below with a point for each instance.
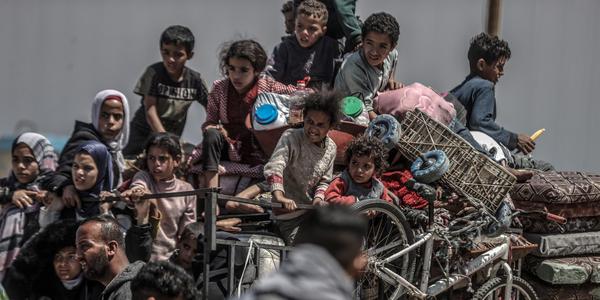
(361, 168)
(187, 246)
(24, 165)
(493, 71)
(174, 58)
(161, 165)
(66, 264)
(241, 73)
(376, 47)
(308, 30)
(84, 172)
(110, 121)
(288, 18)
(316, 126)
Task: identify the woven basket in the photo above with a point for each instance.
(471, 173)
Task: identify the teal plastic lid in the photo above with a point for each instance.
(352, 106)
(265, 114)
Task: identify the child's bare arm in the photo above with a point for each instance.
(152, 115)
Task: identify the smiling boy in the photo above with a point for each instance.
(371, 69)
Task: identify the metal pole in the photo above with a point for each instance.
(494, 17)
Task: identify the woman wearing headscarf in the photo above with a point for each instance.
(109, 126)
(33, 160)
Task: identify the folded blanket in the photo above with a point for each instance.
(546, 291)
(551, 245)
(559, 187)
(584, 224)
(576, 210)
(565, 270)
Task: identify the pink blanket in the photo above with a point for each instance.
(416, 95)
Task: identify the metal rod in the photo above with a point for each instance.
(230, 270)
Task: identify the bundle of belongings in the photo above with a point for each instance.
(568, 255)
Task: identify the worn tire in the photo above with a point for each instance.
(388, 226)
(493, 289)
(386, 129)
(439, 166)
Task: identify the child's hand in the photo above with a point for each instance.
(70, 197)
(319, 202)
(23, 198)
(525, 144)
(218, 127)
(134, 194)
(394, 85)
(229, 224)
(288, 204)
(105, 206)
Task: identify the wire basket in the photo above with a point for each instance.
(471, 173)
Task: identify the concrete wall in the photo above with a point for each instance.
(56, 54)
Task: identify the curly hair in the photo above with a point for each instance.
(365, 145)
(327, 101)
(246, 49)
(178, 35)
(490, 48)
(313, 8)
(163, 279)
(382, 22)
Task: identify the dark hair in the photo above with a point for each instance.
(344, 234)
(488, 47)
(365, 145)
(163, 279)
(195, 229)
(287, 7)
(382, 22)
(178, 35)
(165, 140)
(247, 49)
(313, 8)
(110, 230)
(327, 101)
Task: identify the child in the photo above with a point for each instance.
(287, 9)
(33, 160)
(371, 69)
(186, 246)
(366, 158)
(163, 155)
(308, 52)
(110, 126)
(302, 163)
(487, 56)
(167, 89)
(229, 105)
(92, 174)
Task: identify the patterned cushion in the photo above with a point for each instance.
(565, 270)
(576, 210)
(559, 187)
(583, 224)
(551, 245)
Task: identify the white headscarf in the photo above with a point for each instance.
(116, 145)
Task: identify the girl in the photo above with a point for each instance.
(229, 105)
(110, 126)
(163, 155)
(366, 158)
(302, 164)
(33, 160)
(92, 173)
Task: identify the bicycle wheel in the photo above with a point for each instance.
(494, 289)
(388, 226)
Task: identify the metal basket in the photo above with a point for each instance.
(471, 173)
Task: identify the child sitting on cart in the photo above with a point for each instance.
(301, 166)
(366, 158)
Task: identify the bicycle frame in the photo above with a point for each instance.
(501, 251)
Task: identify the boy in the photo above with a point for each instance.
(167, 89)
(366, 158)
(487, 56)
(308, 52)
(301, 166)
(163, 280)
(371, 69)
(288, 16)
(324, 264)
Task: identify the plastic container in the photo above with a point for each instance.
(270, 111)
(354, 111)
